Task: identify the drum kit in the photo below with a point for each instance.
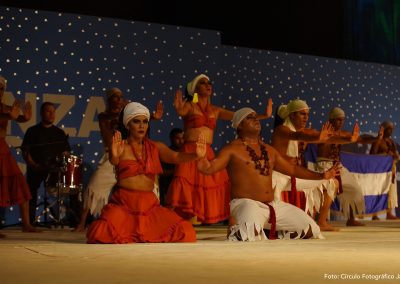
(63, 181)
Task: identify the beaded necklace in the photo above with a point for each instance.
(263, 169)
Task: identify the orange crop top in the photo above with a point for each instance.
(150, 167)
(199, 120)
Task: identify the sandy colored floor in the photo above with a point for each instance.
(60, 256)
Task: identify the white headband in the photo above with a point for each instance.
(336, 112)
(292, 106)
(239, 115)
(134, 109)
(191, 86)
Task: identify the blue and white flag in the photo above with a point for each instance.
(373, 173)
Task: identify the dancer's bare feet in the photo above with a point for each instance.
(375, 218)
(390, 216)
(194, 221)
(30, 229)
(353, 223)
(326, 227)
(79, 228)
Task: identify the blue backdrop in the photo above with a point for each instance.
(71, 59)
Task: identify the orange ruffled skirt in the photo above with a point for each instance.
(137, 217)
(13, 187)
(192, 193)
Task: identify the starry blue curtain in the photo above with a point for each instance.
(71, 59)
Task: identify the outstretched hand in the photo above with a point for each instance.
(203, 164)
(117, 145)
(333, 172)
(15, 109)
(159, 111)
(27, 110)
(326, 132)
(268, 109)
(201, 146)
(356, 133)
(179, 102)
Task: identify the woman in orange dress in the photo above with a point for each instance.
(192, 193)
(13, 186)
(134, 213)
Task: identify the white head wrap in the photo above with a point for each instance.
(336, 112)
(292, 106)
(239, 115)
(134, 109)
(284, 111)
(191, 86)
(110, 92)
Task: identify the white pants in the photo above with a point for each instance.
(352, 195)
(313, 189)
(252, 217)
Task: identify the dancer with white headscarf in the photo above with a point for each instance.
(103, 179)
(192, 194)
(134, 213)
(290, 139)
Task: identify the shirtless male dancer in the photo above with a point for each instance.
(249, 162)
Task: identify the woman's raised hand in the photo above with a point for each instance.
(117, 145)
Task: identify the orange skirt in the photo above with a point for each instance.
(13, 187)
(137, 217)
(192, 193)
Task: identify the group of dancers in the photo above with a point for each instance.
(265, 191)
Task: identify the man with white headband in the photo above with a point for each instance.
(134, 213)
(250, 163)
(193, 195)
(290, 139)
(387, 146)
(103, 179)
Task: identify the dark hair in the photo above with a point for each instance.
(45, 104)
(174, 131)
(188, 97)
(277, 120)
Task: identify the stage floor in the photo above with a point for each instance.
(60, 256)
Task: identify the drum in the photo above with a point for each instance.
(72, 177)
(66, 178)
